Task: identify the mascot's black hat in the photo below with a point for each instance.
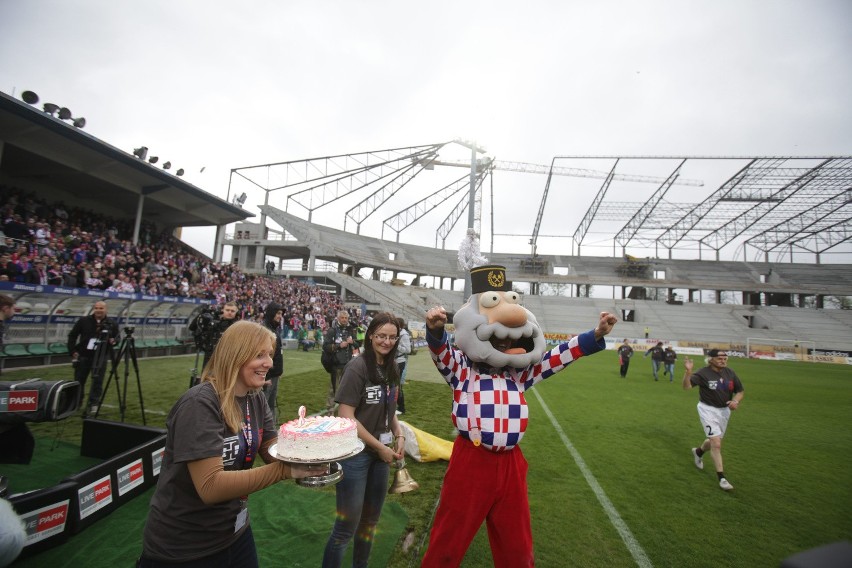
(491, 278)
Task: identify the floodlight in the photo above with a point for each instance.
(242, 198)
(167, 165)
(64, 113)
(153, 160)
(50, 108)
(141, 152)
(29, 97)
(79, 122)
(179, 172)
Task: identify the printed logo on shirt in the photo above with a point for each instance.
(230, 450)
(374, 394)
(712, 385)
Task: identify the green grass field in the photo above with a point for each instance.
(637, 497)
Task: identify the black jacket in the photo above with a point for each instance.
(86, 329)
(277, 359)
(335, 334)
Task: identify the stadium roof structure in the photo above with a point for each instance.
(40, 151)
(781, 208)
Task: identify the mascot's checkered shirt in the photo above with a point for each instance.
(501, 411)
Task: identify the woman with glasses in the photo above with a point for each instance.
(367, 392)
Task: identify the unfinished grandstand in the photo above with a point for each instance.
(782, 223)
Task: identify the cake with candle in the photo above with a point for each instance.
(317, 438)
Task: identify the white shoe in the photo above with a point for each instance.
(93, 409)
(699, 463)
(725, 484)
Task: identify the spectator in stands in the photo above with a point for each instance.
(272, 320)
(625, 352)
(669, 358)
(198, 514)
(90, 343)
(656, 353)
(94, 282)
(720, 392)
(340, 341)
(647, 331)
(54, 274)
(37, 274)
(8, 267)
(403, 350)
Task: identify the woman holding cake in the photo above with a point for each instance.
(367, 393)
(198, 514)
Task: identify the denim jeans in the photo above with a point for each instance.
(360, 497)
(655, 366)
(670, 371)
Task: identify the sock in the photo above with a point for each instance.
(699, 452)
(721, 475)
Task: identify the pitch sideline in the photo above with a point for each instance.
(630, 541)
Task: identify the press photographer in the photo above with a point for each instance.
(207, 328)
(90, 345)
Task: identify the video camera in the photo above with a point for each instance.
(204, 333)
(35, 400)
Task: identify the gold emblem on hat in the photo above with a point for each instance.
(496, 279)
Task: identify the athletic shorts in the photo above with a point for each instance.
(713, 420)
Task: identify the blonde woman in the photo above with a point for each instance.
(198, 514)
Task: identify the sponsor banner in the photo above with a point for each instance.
(45, 522)
(735, 353)
(157, 460)
(19, 401)
(828, 359)
(698, 352)
(95, 496)
(63, 291)
(130, 476)
(557, 337)
(781, 356)
(832, 353)
(25, 319)
(761, 355)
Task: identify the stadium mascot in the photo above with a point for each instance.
(500, 354)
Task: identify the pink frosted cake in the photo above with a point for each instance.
(317, 438)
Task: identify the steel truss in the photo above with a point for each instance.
(771, 205)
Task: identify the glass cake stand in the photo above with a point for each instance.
(333, 473)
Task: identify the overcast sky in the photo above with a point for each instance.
(221, 85)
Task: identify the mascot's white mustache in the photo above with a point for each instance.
(486, 331)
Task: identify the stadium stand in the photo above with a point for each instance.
(79, 240)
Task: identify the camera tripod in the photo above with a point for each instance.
(193, 373)
(127, 352)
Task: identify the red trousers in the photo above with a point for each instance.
(482, 485)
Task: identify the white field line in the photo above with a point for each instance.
(630, 541)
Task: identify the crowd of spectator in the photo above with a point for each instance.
(54, 244)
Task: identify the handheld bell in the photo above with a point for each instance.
(402, 480)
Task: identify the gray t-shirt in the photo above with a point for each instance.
(180, 526)
(375, 403)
